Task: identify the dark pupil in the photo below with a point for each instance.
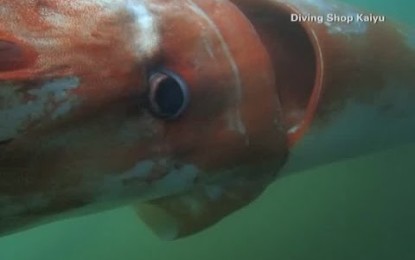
(169, 97)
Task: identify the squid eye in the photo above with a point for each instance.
(168, 95)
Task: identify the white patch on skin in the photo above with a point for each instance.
(294, 128)
(192, 205)
(146, 35)
(81, 4)
(114, 187)
(63, 109)
(140, 170)
(52, 17)
(51, 99)
(147, 38)
(214, 192)
(177, 180)
(208, 47)
(234, 116)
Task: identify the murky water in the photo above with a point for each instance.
(358, 209)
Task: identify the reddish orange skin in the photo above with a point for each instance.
(212, 98)
(67, 161)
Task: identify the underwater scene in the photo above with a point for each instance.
(301, 195)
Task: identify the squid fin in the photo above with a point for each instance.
(188, 213)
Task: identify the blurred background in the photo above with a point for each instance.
(357, 209)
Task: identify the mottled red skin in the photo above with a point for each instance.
(58, 158)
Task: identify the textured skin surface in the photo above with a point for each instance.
(75, 127)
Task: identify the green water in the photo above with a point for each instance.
(362, 209)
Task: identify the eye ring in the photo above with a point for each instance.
(168, 94)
